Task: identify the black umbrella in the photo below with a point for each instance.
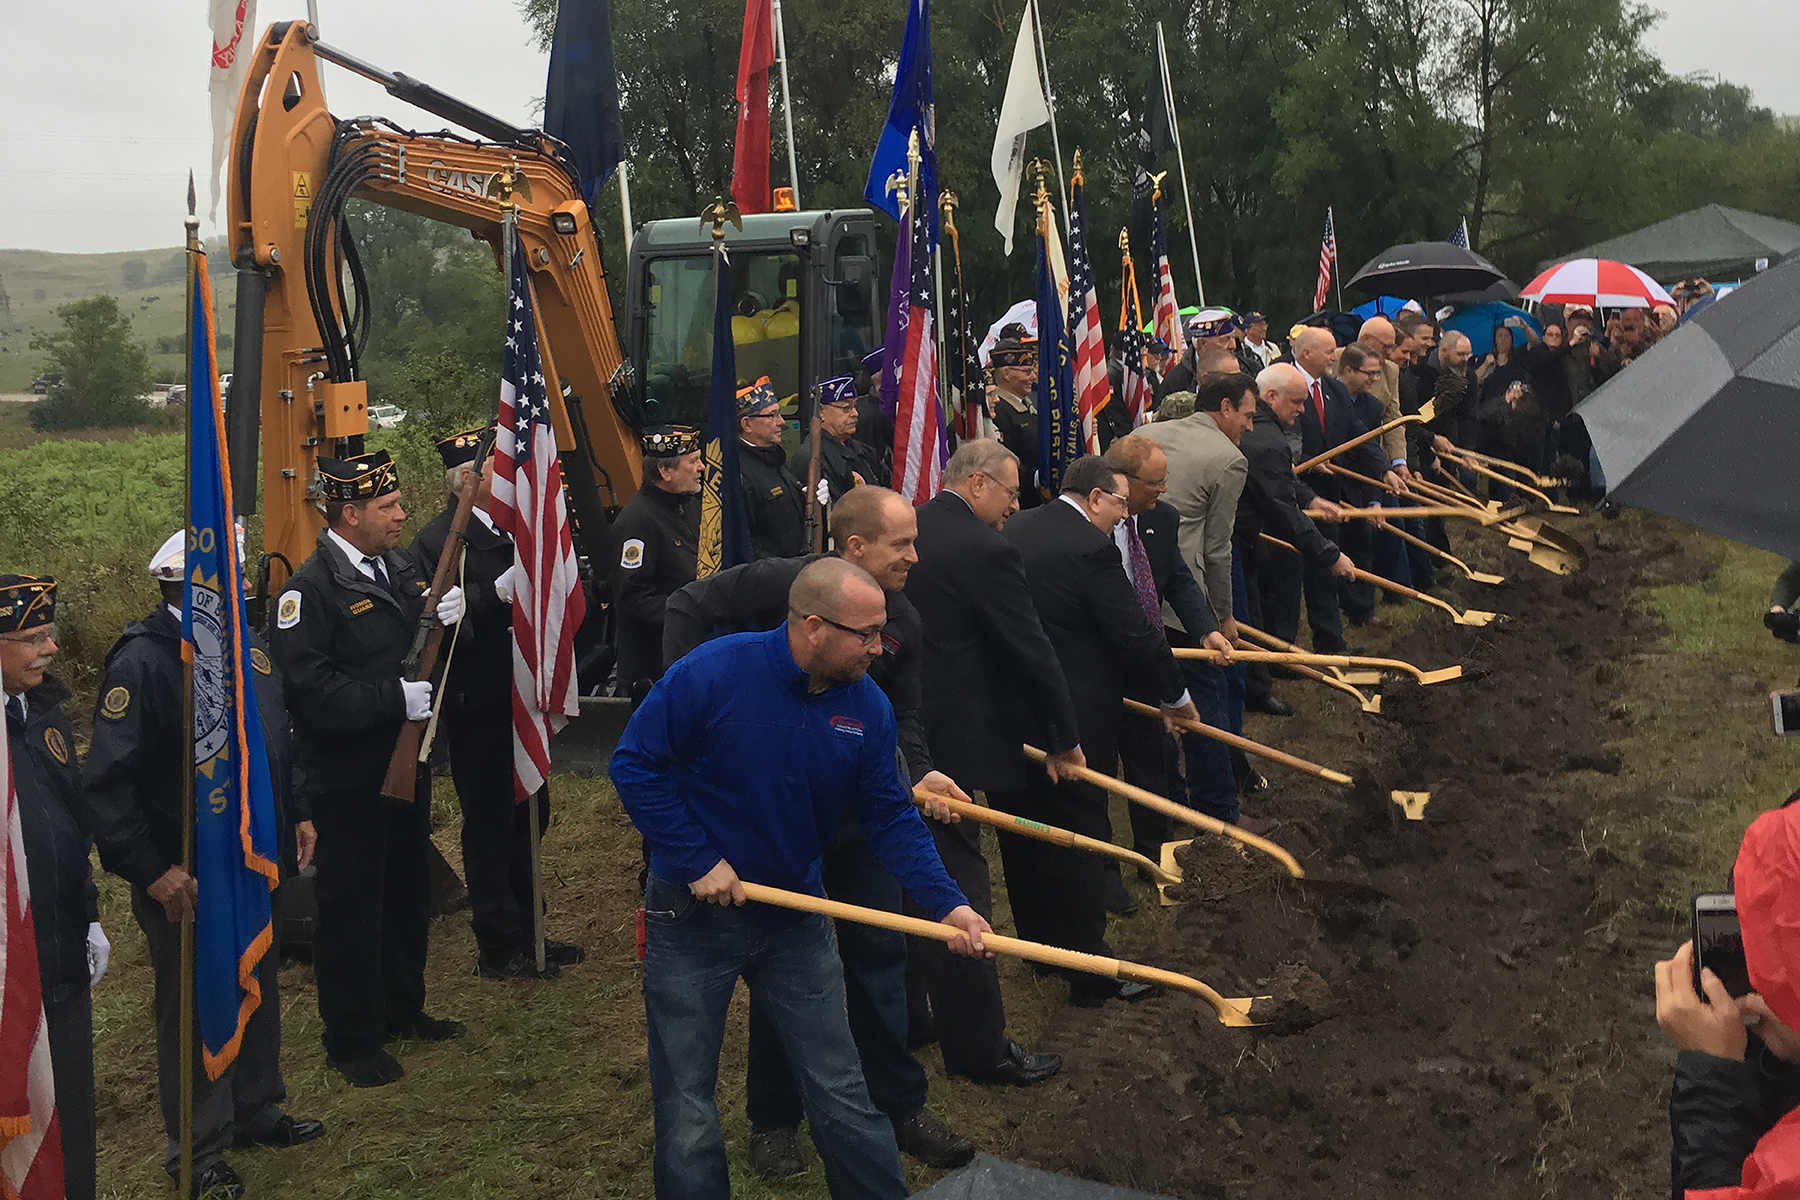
(1706, 426)
(1421, 270)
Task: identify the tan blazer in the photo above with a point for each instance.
(1206, 477)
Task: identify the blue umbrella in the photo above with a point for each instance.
(1478, 321)
(1381, 306)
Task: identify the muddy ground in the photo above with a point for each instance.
(1468, 1014)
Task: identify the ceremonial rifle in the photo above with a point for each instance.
(421, 658)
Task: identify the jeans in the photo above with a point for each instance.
(694, 954)
(875, 993)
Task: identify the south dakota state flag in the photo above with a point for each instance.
(234, 802)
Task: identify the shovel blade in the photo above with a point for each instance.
(1441, 675)
(1411, 803)
(1476, 617)
(1484, 577)
(1372, 704)
(1237, 1012)
(1166, 860)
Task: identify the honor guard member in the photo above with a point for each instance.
(71, 950)
(656, 541)
(1015, 368)
(134, 789)
(476, 720)
(343, 625)
(844, 461)
(774, 501)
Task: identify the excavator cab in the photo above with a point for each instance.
(804, 302)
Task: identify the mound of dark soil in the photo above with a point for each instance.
(1449, 1015)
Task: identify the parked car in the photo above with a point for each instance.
(43, 383)
(385, 416)
(177, 394)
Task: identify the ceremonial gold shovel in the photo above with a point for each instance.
(1472, 616)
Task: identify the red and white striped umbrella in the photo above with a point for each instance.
(1598, 282)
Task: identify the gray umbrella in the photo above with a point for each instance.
(1706, 426)
(1420, 270)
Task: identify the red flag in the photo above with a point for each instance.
(1327, 257)
(750, 149)
(919, 442)
(31, 1165)
(528, 503)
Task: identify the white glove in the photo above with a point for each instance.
(99, 952)
(503, 586)
(824, 492)
(418, 698)
(450, 608)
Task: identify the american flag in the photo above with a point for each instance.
(1135, 390)
(1092, 389)
(918, 425)
(1460, 235)
(967, 391)
(1167, 325)
(1327, 256)
(31, 1165)
(548, 604)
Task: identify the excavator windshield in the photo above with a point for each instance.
(678, 319)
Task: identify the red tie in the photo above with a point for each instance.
(1318, 399)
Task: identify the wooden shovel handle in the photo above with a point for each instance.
(1044, 833)
(1180, 812)
(1399, 589)
(1250, 747)
(1230, 1012)
(1356, 441)
(1497, 477)
(1295, 657)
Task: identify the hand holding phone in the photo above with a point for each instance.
(1719, 943)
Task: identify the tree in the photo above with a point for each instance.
(133, 272)
(105, 373)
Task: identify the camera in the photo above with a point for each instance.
(1719, 943)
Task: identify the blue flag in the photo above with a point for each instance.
(234, 800)
(724, 526)
(581, 98)
(909, 109)
(1059, 432)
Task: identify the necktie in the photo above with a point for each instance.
(1318, 399)
(1142, 581)
(15, 711)
(381, 580)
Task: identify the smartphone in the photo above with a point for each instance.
(1718, 943)
(1784, 712)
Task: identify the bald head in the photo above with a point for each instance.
(1377, 333)
(1283, 389)
(829, 586)
(1453, 350)
(835, 614)
(1314, 350)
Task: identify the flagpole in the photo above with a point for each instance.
(1037, 27)
(1162, 63)
(1337, 275)
(185, 1152)
(787, 104)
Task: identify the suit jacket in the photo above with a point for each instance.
(1104, 641)
(1206, 479)
(1272, 499)
(1341, 425)
(1160, 531)
(990, 678)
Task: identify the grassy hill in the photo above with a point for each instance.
(149, 285)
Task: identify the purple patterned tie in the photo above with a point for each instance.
(1141, 579)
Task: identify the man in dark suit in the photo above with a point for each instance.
(1359, 372)
(1107, 648)
(989, 683)
(1149, 546)
(1275, 501)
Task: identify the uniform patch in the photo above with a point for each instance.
(59, 749)
(776, 491)
(889, 643)
(361, 607)
(631, 554)
(260, 661)
(287, 613)
(115, 703)
(849, 726)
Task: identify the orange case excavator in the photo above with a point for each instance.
(291, 168)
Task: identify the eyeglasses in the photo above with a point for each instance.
(1011, 491)
(1161, 482)
(37, 637)
(1125, 500)
(867, 637)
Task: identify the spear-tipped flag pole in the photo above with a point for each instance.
(1021, 110)
(1093, 391)
(1135, 390)
(919, 443)
(1327, 259)
(724, 528)
(1059, 431)
(1166, 322)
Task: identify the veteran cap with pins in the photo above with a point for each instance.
(26, 602)
(840, 389)
(361, 478)
(669, 441)
(460, 448)
(1013, 348)
(757, 398)
(1211, 323)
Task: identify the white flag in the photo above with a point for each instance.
(233, 32)
(1021, 111)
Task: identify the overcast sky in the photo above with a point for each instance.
(103, 118)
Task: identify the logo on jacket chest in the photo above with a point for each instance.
(847, 726)
(361, 607)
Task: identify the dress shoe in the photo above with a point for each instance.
(368, 1070)
(775, 1153)
(522, 965)
(932, 1144)
(1257, 826)
(1271, 707)
(1254, 782)
(1020, 1068)
(1118, 900)
(217, 1182)
(563, 954)
(427, 1029)
(286, 1131)
(1096, 991)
